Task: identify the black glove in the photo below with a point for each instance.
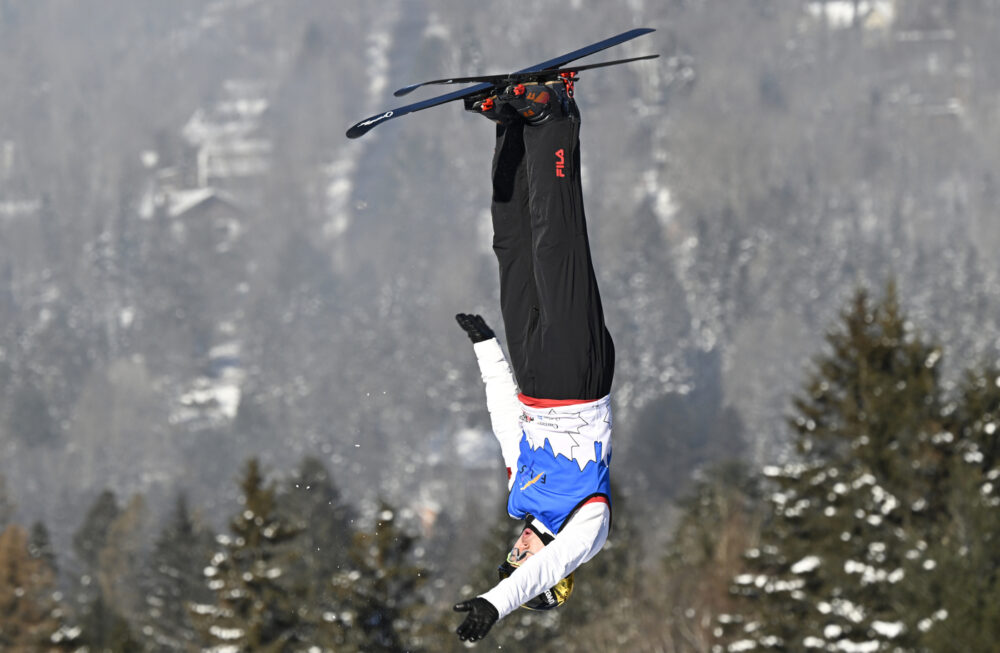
(475, 327)
(482, 615)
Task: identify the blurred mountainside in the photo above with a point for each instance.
(197, 266)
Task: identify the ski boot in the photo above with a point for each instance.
(494, 107)
(540, 102)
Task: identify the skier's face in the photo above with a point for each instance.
(526, 546)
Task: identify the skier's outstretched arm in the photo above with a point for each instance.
(579, 541)
(501, 390)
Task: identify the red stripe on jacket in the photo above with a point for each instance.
(534, 402)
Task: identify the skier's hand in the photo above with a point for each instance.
(482, 615)
(475, 327)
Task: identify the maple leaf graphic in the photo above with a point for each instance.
(564, 434)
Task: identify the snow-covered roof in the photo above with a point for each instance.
(181, 201)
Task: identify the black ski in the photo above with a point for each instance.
(367, 124)
(511, 78)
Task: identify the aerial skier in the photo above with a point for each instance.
(552, 415)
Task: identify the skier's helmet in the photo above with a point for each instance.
(550, 598)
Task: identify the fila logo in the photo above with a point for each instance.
(560, 163)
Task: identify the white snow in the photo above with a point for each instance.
(226, 633)
(214, 397)
(885, 498)
(339, 190)
(943, 437)
(182, 201)
(376, 54)
(848, 610)
(66, 633)
(805, 565)
(436, 28)
(19, 208)
(849, 646)
(973, 456)
(785, 586)
(888, 629)
(813, 642)
(864, 479)
(797, 509)
(932, 359)
(839, 14)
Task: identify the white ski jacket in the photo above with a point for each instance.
(559, 456)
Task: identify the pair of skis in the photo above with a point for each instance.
(551, 69)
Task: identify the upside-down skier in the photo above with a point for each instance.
(552, 416)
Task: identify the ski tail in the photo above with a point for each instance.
(366, 125)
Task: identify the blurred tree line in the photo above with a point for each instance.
(879, 533)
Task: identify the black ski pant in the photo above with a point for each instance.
(556, 337)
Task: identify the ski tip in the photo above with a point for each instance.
(366, 125)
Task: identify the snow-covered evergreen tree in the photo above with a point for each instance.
(377, 593)
(967, 614)
(256, 607)
(845, 557)
(174, 580)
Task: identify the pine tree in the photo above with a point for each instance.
(102, 625)
(378, 593)
(313, 503)
(174, 580)
(966, 581)
(32, 618)
(40, 545)
(845, 544)
(719, 519)
(256, 606)
(312, 499)
(120, 560)
(93, 533)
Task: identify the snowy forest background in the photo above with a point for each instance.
(236, 413)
